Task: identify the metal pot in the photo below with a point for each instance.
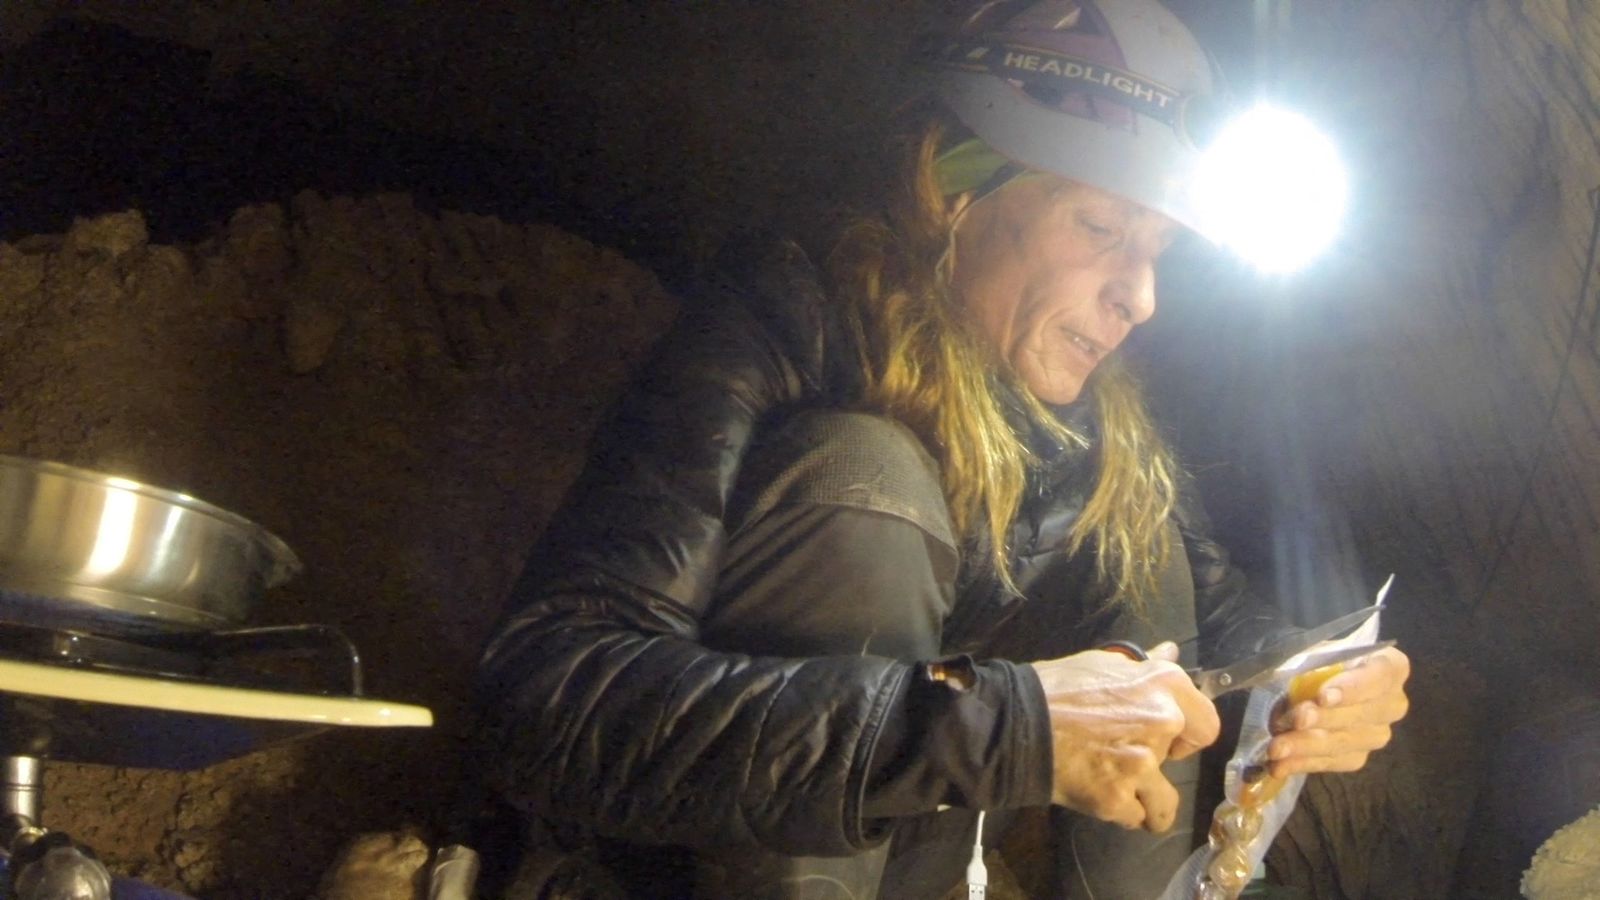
(86, 549)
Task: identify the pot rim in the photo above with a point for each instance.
(285, 563)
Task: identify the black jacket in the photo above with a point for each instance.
(606, 713)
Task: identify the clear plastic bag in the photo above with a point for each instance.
(1254, 809)
(1255, 804)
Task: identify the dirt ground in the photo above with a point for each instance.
(396, 395)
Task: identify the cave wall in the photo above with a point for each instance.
(1479, 371)
(1482, 437)
(1439, 394)
(400, 396)
(660, 126)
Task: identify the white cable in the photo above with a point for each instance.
(977, 873)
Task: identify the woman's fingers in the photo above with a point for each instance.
(1158, 800)
(1329, 742)
(1310, 765)
(1351, 717)
(1114, 722)
(1200, 722)
(1385, 710)
(1382, 673)
(1166, 651)
(1201, 725)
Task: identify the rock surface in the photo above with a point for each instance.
(392, 392)
(1567, 867)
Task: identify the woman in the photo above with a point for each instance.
(775, 642)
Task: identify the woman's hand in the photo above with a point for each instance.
(1114, 721)
(1350, 717)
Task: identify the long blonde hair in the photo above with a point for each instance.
(924, 366)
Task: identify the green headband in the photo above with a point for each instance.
(973, 165)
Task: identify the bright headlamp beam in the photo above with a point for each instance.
(1271, 188)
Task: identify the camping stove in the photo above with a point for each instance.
(179, 700)
(121, 643)
(162, 700)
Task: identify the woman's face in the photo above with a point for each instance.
(1055, 274)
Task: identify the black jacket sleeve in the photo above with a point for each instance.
(604, 710)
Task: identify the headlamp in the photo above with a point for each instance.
(1270, 187)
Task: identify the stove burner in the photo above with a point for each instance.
(311, 659)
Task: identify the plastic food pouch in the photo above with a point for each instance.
(1256, 804)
